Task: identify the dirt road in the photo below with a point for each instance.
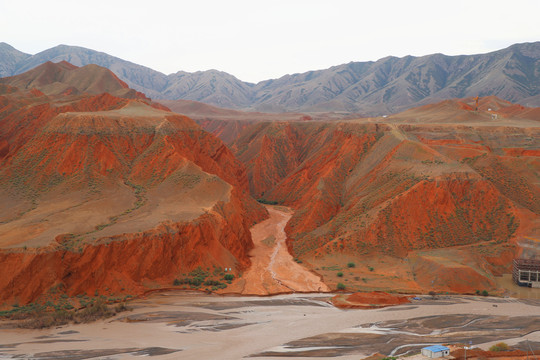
(273, 270)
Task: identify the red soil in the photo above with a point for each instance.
(80, 149)
(362, 189)
(514, 152)
(476, 353)
(227, 124)
(371, 300)
(129, 263)
(443, 217)
(66, 79)
(490, 108)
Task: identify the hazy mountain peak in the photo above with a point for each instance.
(9, 58)
(384, 86)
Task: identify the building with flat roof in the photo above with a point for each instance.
(435, 351)
(526, 272)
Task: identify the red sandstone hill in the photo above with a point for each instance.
(65, 78)
(110, 194)
(430, 199)
(491, 110)
(227, 124)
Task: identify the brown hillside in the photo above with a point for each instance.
(491, 110)
(227, 124)
(65, 78)
(430, 199)
(108, 194)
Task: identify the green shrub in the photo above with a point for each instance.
(120, 307)
(370, 268)
(197, 281)
(499, 347)
(44, 319)
(229, 277)
(341, 286)
(267, 202)
(485, 293)
(96, 310)
(212, 283)
(350, 265)
(340, 274)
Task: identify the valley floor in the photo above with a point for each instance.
(273, 269)
(192, 325)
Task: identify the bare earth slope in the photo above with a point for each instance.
(64, 78)
(431, 199)
(110, 194)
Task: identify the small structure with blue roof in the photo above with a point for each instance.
(435, 351)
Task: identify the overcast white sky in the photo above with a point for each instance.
(258, 40)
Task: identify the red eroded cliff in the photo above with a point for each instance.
(366, 189)
(112, 194)
(130, 263)
(444, 212)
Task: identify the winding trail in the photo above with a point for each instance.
(273, 270)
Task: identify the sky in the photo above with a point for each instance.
(256, 40)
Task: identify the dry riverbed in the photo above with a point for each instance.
(273, 269)
(191, 325)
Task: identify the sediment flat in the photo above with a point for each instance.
(191, 325)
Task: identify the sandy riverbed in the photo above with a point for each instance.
(188, 325)
(191, 325)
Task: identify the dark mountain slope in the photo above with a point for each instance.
(388, 85)
(392, 84)
(138, 77)
(9, 58)
(65, 78)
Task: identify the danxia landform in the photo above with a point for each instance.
(104, 191)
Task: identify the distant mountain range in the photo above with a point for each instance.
(385, 86)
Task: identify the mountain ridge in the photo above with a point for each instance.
(387, 85)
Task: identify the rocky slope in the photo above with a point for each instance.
(421, 205)
(64, 78)
(393, 84)
(9, 59)
(385, 86)
(138, 77)
(109, 194)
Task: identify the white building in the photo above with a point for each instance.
(435, 351)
